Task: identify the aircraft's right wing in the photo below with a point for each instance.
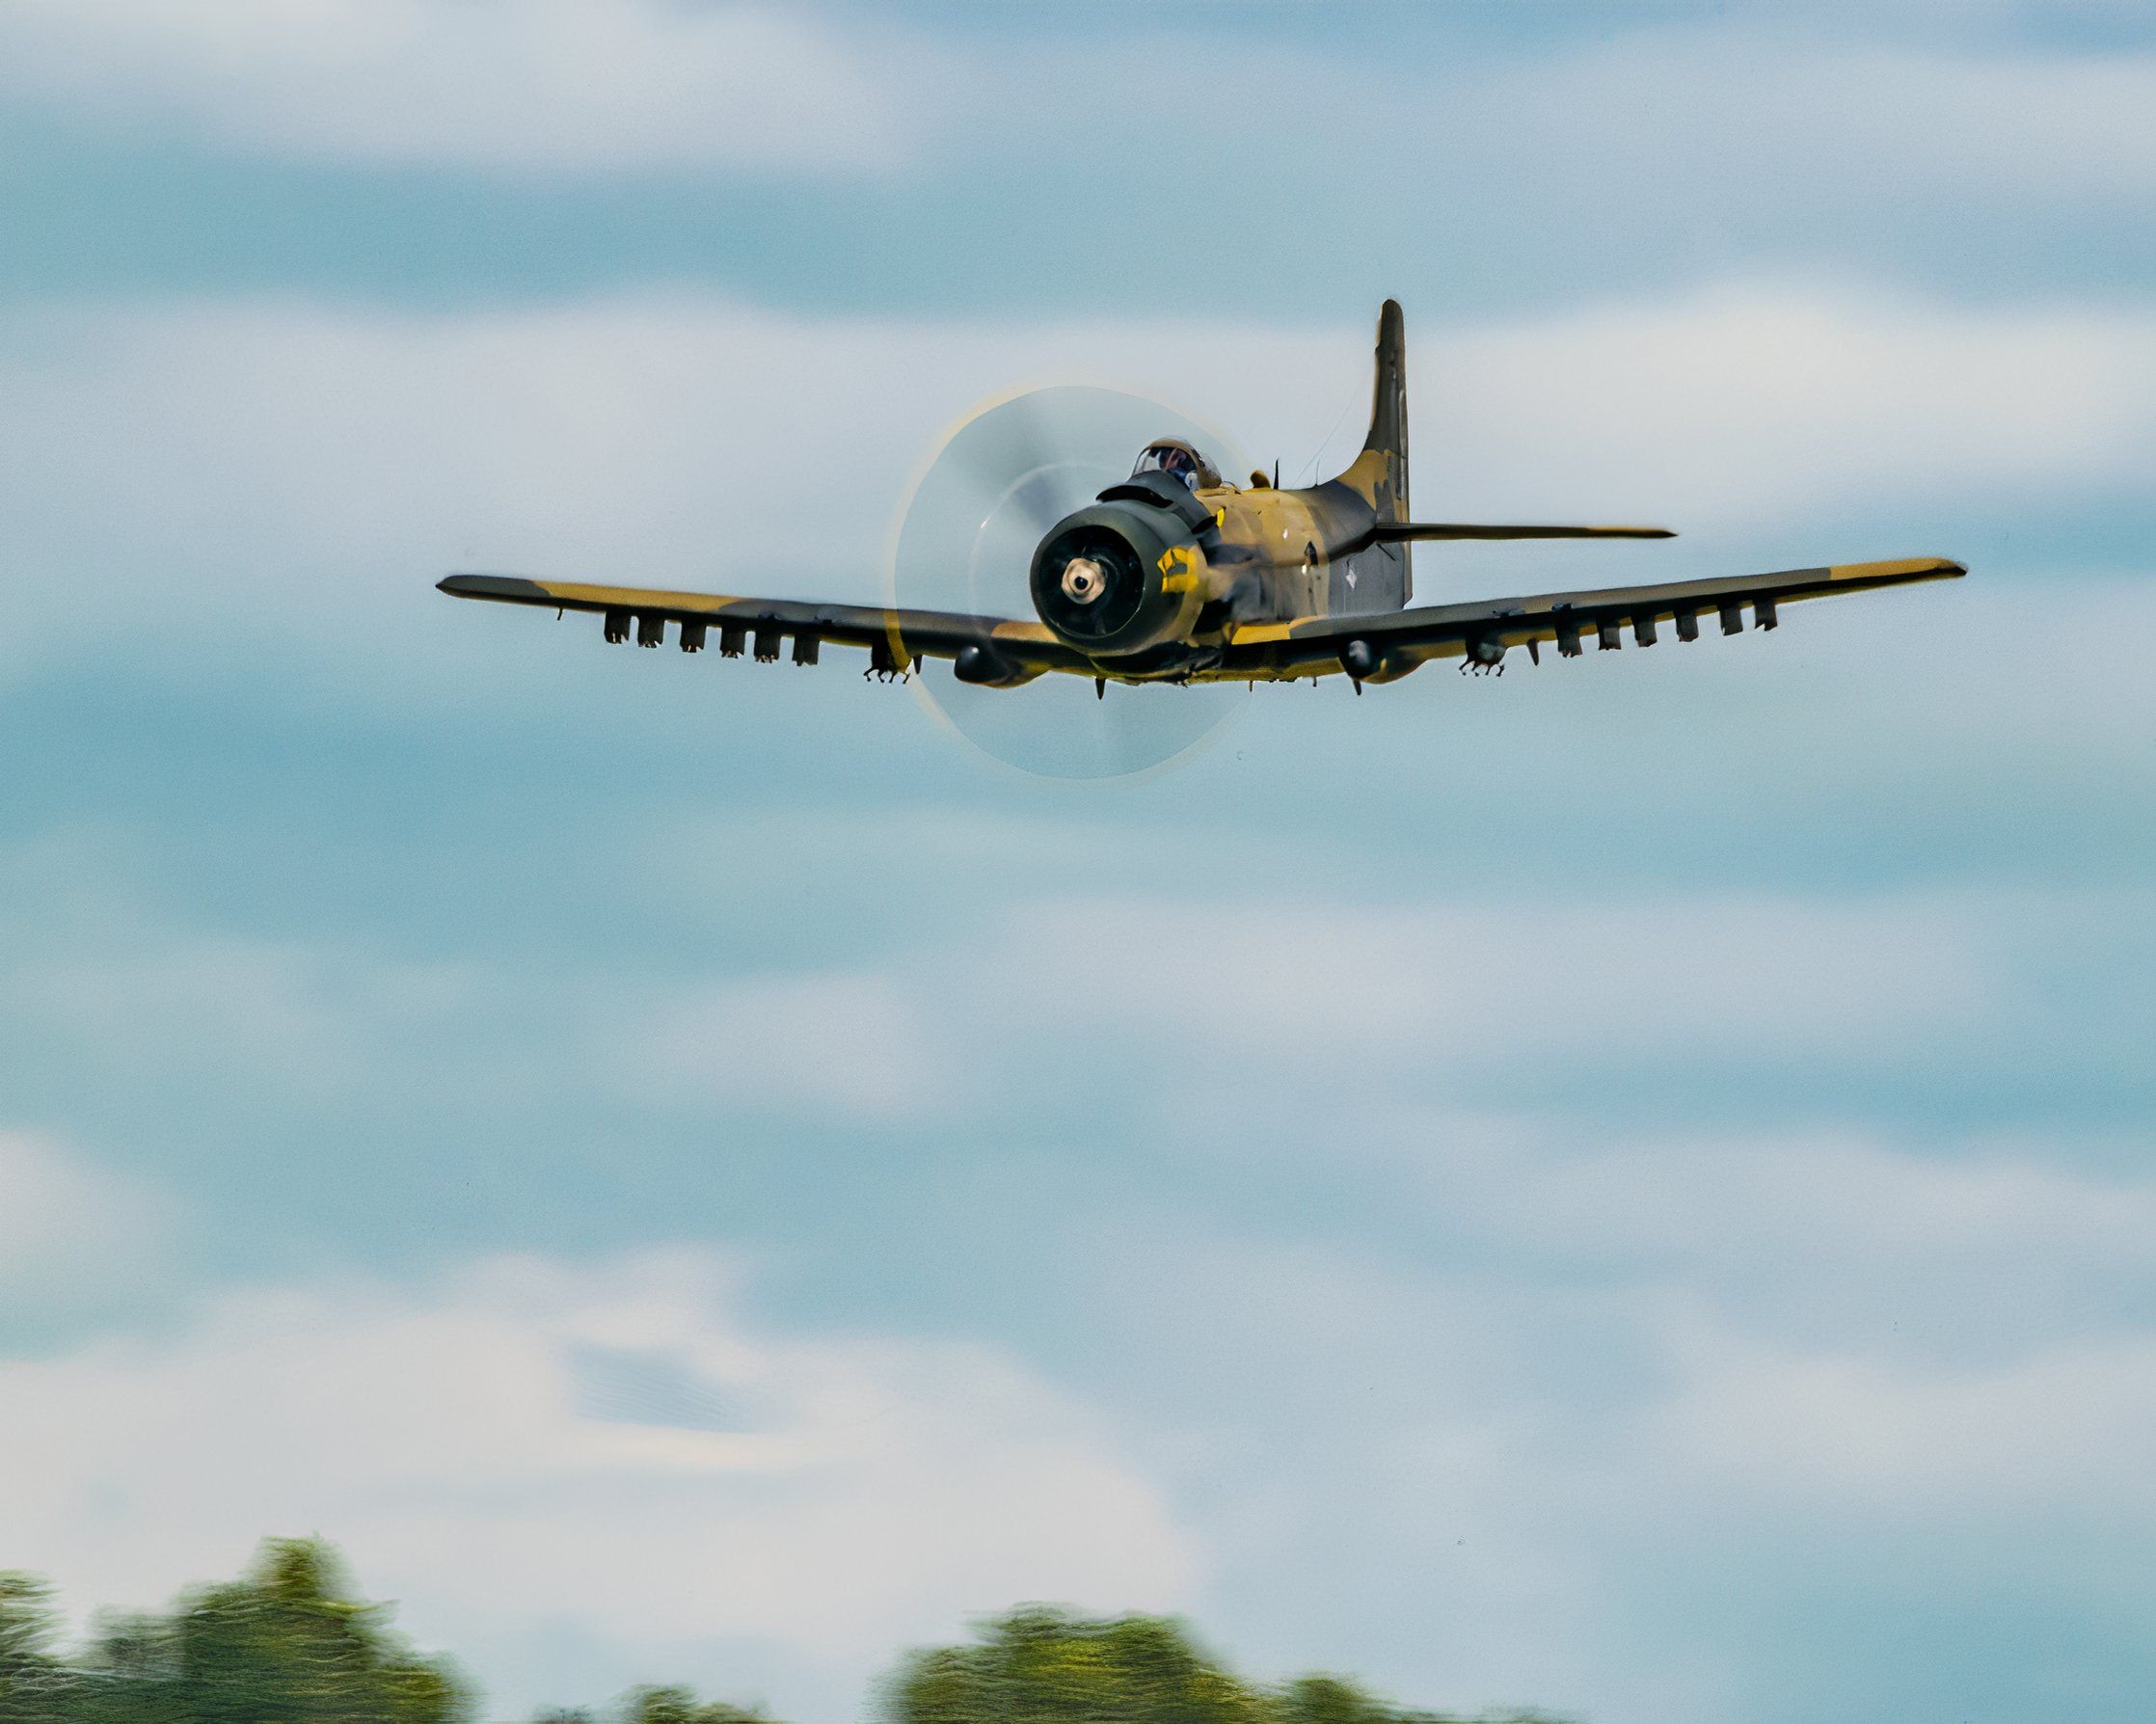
(1397, 639)
(895, 638)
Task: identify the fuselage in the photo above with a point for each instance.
(1153, 579)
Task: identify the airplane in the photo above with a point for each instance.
(1173, 574)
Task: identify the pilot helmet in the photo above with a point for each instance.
(1177, 459)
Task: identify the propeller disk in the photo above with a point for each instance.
(965, 541)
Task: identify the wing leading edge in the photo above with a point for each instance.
(895, 638)
(1393, 642)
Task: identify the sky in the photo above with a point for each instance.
(1626, 1187)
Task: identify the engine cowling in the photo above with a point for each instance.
(1121, 575)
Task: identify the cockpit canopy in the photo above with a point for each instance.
(1173, 457)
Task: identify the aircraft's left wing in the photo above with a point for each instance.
(895, 638)
(1394, 641)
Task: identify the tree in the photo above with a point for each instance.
(289, 1643)
(34, 1683)
(282, 1645)
(26, 1624)
(680, 1705)
(1328, 1700)
(1045, 1666)
(286, 1644)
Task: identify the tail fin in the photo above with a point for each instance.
(1388, 416)
(1381, 576)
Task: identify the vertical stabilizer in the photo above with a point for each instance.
(1388, 413)
(1382, 576)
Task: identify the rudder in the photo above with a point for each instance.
(1380, 576)
(1388, 414)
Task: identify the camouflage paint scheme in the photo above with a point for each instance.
(1228, 583)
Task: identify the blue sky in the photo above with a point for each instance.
(1624, 1187)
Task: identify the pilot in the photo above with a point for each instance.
(1174, 459)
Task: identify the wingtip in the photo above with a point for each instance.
(490, 586)
(1907, 568)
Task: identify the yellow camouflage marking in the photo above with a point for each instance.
(1178, 567)
(1907, 565)
(1033, 634)
(630, 598)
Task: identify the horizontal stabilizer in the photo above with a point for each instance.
(1453, 529)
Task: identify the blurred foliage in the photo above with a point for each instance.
(31, 1676)
(1044, 1666)
(281, 1645)
(287, 1644)
(677, 1705)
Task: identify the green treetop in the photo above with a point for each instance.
(289, 1643)
(1045, 1666)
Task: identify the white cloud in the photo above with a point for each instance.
(2054, 1441)
(70, 1229)
(1367, 1006)
(1501, 983)
(471, 1444)
(1727, 1202)
(527, 87)
(854, 1045)
(189, 1004)
(133, 999)
(1972, 1257)
(1768, 129)
(1772, 398)
(1692, 117)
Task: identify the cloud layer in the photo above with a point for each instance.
(581, 85)
(585, 86)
